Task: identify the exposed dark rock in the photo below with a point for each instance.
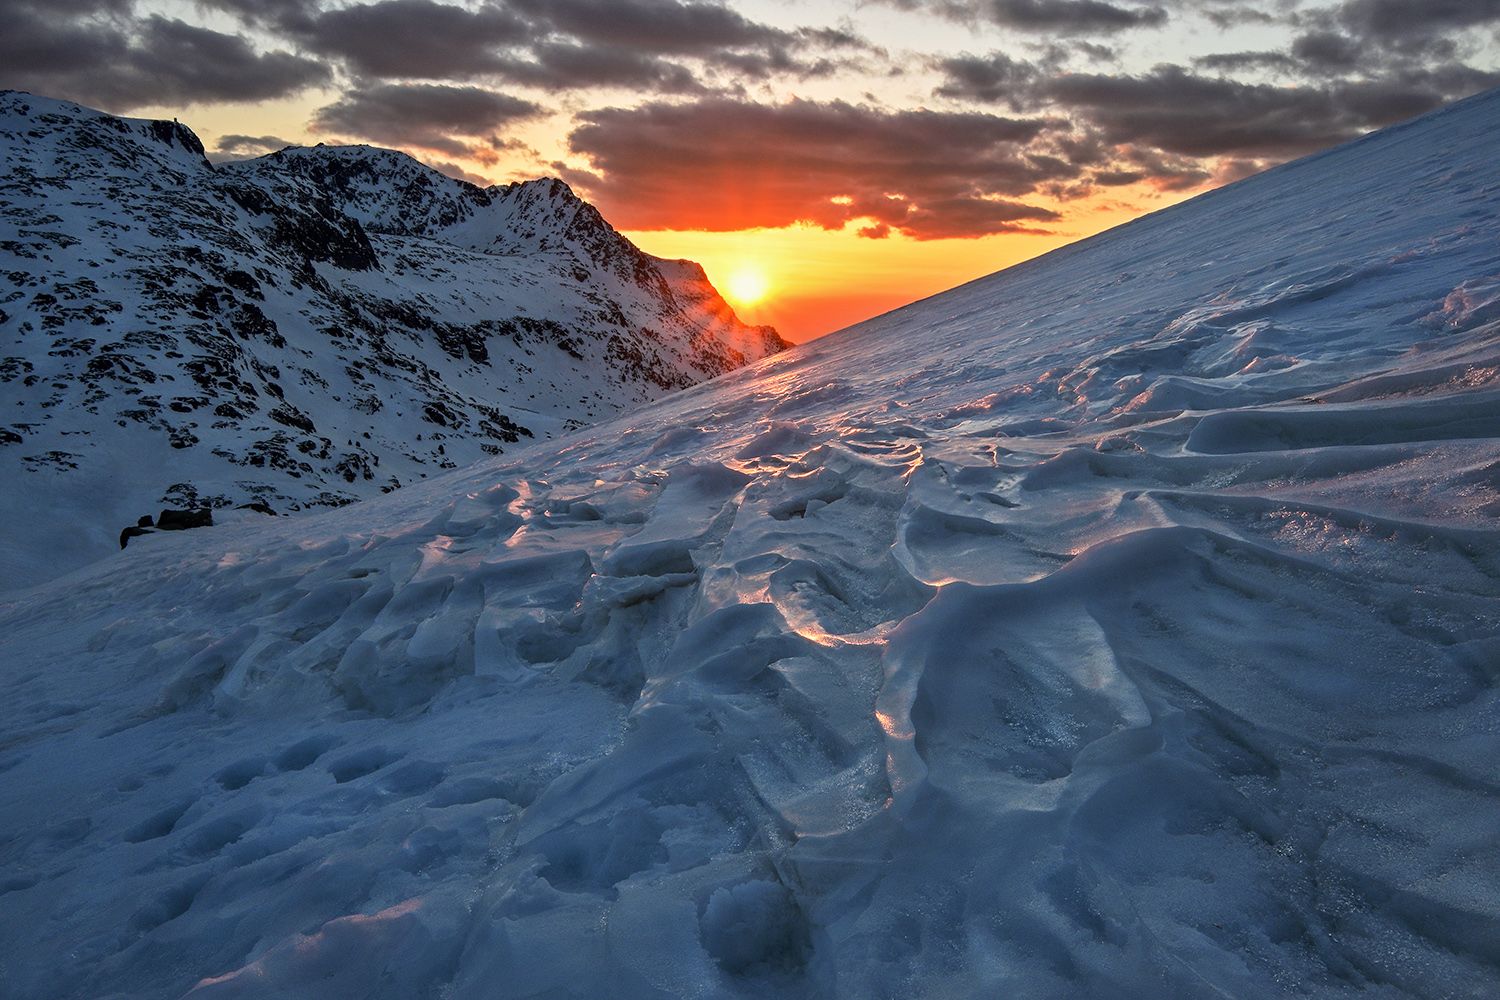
(134, 531)
(180, 520)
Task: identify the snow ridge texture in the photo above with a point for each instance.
(1123, 624)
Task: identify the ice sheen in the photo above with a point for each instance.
(1125, 624)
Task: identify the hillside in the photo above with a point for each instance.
(1123, 624)
(307, 329)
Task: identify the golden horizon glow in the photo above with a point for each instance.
(746, 285)
(818, 280)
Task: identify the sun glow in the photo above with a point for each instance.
(747, 285)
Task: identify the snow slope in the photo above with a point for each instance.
(1124, 624)
(305, 329)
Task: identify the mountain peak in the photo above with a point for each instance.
(68, 137)
(308, 328)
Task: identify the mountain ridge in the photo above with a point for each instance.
(304, 329)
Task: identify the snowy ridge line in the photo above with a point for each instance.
(1122, 627)
(306, 329)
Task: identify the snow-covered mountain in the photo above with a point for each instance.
(1124, 624)
(309, 328)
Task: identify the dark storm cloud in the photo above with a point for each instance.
(1451, 80)
(1408, 93)
(266, 13)
(179, 61)
(1118, 177)
(458, 173)
(816, 52)
(1230, 17)
(954, 217)
(1238, 62)
(648, 32)
(1071, 16)
(1411, 24)
(993, 79)
(1163, 171)
(455, 121)
(1381, 37)
(724, 164)
(551, 44)
(120, 62)
(566, 66)
(1095, 51)
(659, 26)
(240, 146)
(1175, 111)
(1058, 17)
(411, 38)
(1327, 51)
(40, 45)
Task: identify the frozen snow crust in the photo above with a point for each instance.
(1120, 625)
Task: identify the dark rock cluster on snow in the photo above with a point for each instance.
(168, 520)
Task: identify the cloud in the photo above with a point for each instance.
(1327, 51)
(1414, 25)
(410, 38)
(1238, 62)
(1178, 112)
(1231, 17)
(1057, 17)
(247, 146)
(723, 164)
(266, 13)
(1071, 16)
(566, 66)
(816, 52)
(1095, 51)
(1118, 177)
(630, 43)
(1166, 172)
(548, 44)
(453, 121)
(991, 79)
(458, 173)
(666, 27)
(119, 62)
(177, 60)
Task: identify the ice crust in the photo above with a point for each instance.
(1125, 624)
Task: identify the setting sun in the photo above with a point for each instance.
(746, 285)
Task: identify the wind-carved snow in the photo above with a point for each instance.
(305, 329)
(1121, 625)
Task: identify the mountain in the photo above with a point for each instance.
(1123, 624)
(306, 329)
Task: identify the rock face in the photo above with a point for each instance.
(305, 329)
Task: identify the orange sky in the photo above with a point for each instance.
(820, 281)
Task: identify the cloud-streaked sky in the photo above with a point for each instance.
(860, 153)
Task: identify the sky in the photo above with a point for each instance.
(824, 161)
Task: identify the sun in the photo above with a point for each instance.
(747, 285)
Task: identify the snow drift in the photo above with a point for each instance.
(1124, 624)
